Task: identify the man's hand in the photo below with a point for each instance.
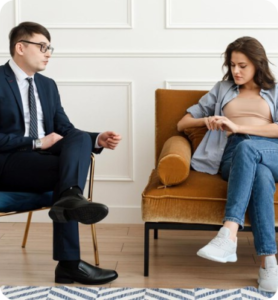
(109, 140)
(50, 139)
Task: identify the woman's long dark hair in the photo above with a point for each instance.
(255, 52)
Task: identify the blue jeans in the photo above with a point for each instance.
(250, 165)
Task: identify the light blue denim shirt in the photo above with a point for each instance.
(208, 157)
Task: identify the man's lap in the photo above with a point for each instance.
(30, 172)
(18, 201)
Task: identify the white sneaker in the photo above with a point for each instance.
(221, 248)
(268, 277)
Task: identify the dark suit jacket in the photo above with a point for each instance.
(12, 126)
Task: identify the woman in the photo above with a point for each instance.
(248, 99)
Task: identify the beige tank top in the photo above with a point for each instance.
(243, 111)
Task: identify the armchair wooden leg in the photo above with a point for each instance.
(24, 241)
(94, 238)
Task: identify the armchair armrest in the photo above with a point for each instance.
(174, 161)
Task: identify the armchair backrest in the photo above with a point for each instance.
(170, 107)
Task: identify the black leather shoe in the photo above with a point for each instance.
(78, 208)
(85, 274)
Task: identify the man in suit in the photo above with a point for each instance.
(40, 150)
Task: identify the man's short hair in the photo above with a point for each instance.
(24, 31)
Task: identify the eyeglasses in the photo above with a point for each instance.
(43, 47)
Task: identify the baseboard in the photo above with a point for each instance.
(117, 215)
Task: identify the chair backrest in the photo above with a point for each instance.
(170, 107)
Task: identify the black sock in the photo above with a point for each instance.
(74, 190)
(72, 264)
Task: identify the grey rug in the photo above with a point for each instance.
(89, 293)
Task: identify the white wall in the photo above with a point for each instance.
(111, 55)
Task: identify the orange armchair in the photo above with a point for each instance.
(177, 197)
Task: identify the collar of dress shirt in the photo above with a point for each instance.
(19, 73)
(262, 91)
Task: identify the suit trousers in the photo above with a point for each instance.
(58, 168)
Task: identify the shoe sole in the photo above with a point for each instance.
(264, 290)
(87, 214)
(65, 280)
(230, 258)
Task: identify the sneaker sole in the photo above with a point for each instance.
(265, 290)
(230, 258)
(85, 215)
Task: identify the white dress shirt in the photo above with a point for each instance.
(23, 86)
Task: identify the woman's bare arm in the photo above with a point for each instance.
(188, 121)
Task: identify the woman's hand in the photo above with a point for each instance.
(221, 123)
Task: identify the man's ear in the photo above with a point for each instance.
(19, 48)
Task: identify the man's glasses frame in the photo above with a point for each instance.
(43, 47)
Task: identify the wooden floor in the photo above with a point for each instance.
(173, 259)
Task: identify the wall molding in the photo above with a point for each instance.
(195, 54)
(128, 25)
(204, 26)
(208, 84)
(130, 157)
(138, 54)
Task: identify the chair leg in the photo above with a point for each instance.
(90, 198)
(146, 251)
(94, 238)
(24, 241)
(155, 233)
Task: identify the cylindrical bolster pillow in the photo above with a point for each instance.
(174, 161)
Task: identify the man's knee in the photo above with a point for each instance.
(78, 136)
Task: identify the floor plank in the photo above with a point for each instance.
(173, 259)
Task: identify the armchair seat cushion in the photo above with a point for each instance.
(200, 199)
(18, 201)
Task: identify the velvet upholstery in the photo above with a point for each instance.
(195, 135)
(170, 107)
(174, 161)
(199, 199)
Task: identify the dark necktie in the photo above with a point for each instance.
(33, 131)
